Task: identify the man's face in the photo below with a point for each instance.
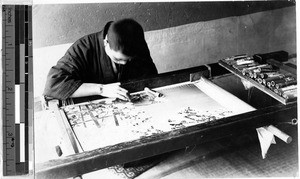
(116, 56)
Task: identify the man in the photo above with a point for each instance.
(95, 62)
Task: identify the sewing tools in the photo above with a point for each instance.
(152, 92)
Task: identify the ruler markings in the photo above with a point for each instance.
(26, 39)
(17, 141)
(17, 94)
(26, 103)
(22, 103)
(22, 63)
(17, 104)
(29, 132)
(27, 89)
(22, 142)
(9, 132)
(26, 64)
(30, 84)
(21, 24)
(26, 13)
(17, 45)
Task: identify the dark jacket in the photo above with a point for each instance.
(86, 62)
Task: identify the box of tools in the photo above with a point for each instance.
(267, 72)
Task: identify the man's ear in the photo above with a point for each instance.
(106, 27)
(105, 41)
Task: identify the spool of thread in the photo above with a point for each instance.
(259, 80)
(245, 72)
(291, 87)
(272, 88)
(243, 62)
(282, 80)
(228, 59)
(277, 92)
(265, 68)
(278, 133)
(274, 82)
(256, 70)
(290, 94)
(241, 67)
(284, 84)
(269, 84)
(256, 75)
(236, 57)
(257, 66)
(267, 75)
(285, 89)
(252, 69)
(272, 78)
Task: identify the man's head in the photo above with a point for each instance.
(124, 40)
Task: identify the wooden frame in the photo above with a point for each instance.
(89, 161)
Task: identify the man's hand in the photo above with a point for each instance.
(114, 90)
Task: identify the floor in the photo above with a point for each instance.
(227, 158)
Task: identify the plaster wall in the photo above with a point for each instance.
(207, 42)
(199, 43)
(64, 23)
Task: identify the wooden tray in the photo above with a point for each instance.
(256, 84)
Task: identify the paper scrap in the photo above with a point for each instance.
(266, 138)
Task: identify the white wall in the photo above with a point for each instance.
(207, 42)
(200, 43)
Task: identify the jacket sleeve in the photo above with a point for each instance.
(139, 68)
(146, 64)
(66, 76)
(148, 68)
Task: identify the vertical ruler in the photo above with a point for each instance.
(17, 87)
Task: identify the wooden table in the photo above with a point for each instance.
(74, 163)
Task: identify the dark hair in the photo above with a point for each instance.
(127, 36)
